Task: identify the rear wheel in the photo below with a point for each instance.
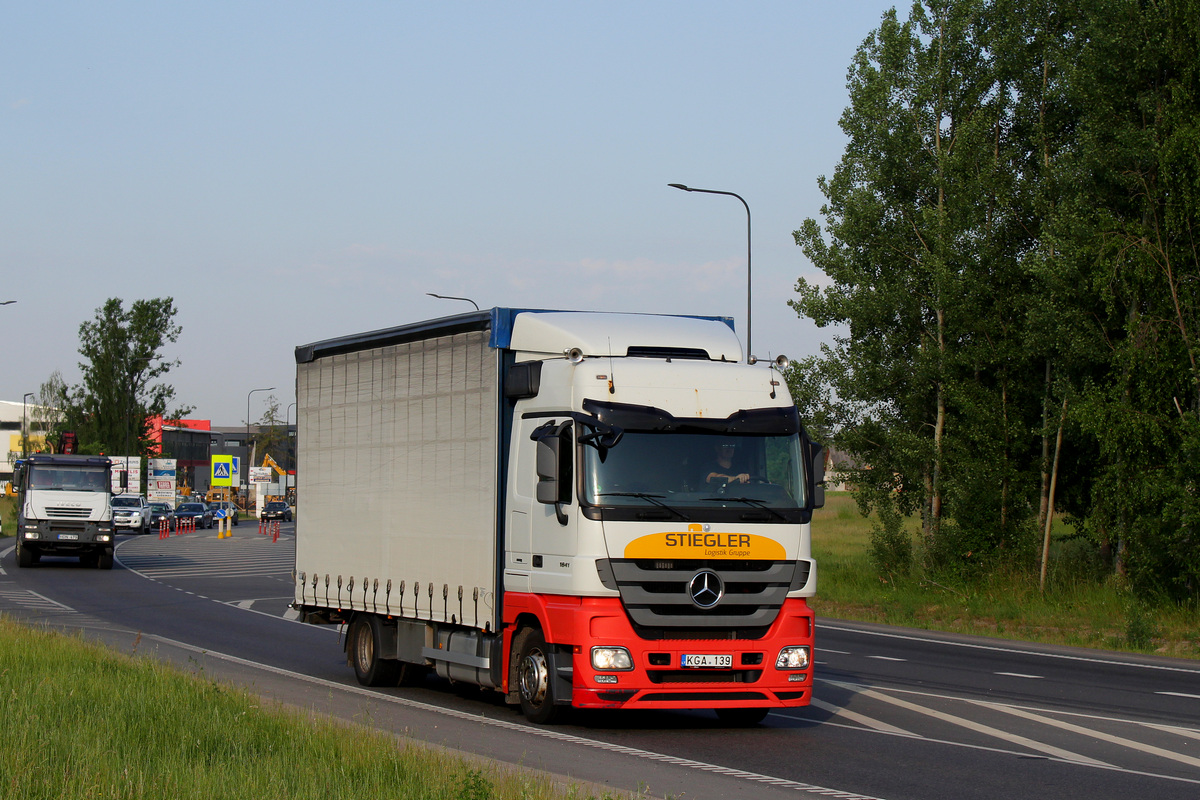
(366, 635)
(535, 682)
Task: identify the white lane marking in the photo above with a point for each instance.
(542, 732)
(1180, 694)
(1018, 651)
(1092, 732)
(861, 719)
(887, 658)
(1012, 738)
(1022, 675)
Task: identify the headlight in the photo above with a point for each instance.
(611, 658)
(792, 658)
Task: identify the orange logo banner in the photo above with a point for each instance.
(705, 544)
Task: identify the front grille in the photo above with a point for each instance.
(655, 596)
(58, 512)
(703, 675)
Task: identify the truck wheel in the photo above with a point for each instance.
(104, 559)
(25, 555)
(742, 717)
(364, 646)
(535, 684)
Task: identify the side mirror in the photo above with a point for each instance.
(818, 474)
(554, 466)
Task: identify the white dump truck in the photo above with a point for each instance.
(64, 508)
(576, 509)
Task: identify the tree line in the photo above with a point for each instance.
(1011, 268)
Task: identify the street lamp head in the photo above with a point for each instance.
(679, 186)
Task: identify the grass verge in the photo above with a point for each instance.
(81, 721)
(1073, 611)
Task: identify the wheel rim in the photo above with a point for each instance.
(535, 677)
(364, 647)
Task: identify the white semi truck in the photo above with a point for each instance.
(64, 508)
(575, 509)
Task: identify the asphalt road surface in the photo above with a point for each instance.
(897, 713)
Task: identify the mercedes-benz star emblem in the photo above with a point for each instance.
(706, 589)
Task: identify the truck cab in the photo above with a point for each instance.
(64, 508)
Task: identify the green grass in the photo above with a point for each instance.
(1075, 609)
(8, 514)
(81, 721)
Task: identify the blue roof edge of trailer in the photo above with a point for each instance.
(498, 320)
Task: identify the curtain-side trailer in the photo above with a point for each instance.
(580, 509)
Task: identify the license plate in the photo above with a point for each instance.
(71, 536)
(690, 661)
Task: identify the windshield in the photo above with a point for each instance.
(69, 479)
(696, 471)
(196, 507)
(121, 502)
(160, 507)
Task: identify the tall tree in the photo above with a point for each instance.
(921, 230)
(122, 351)
(1136, 220)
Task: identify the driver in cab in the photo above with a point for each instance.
(721, 471)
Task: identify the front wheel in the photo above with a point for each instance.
(535, 682)
(105, 559)
(25, 555)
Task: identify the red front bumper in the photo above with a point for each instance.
(658, 679)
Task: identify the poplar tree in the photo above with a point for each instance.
(122, 355)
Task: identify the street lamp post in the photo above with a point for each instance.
(739, 197)
(25, 425)
(287, 438)
(246, 466)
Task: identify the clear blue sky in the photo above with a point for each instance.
(292, 171)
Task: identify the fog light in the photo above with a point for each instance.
(31, 533)
(103, 538)
(611, 658)
(606, 678)
(792, 658)
(797, 677)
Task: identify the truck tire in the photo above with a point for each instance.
(104, 559)
(25, 555)
(363, 647)
(535, 684)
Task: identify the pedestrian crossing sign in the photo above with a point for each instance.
(222, 471)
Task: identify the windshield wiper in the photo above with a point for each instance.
(656, 499)
(750, 501)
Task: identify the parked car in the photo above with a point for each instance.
(200, 512)
(277, 509)
(231, 511)
(131, 511)
(159, 512)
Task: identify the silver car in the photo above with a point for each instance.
(131, 511)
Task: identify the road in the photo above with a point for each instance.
(897, 713)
